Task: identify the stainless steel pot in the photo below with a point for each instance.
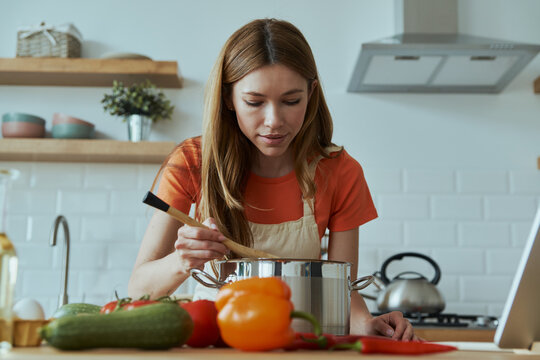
(320, 287)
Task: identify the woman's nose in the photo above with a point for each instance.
(272, 117)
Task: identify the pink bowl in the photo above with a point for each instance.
(17, 129)
(59, 118)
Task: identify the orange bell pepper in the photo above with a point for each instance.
(255, 314)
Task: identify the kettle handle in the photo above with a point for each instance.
(400, 256)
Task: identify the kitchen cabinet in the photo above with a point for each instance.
(84, 150)
(47, 353)
(87, 72)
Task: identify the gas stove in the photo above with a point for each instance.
(451, 320)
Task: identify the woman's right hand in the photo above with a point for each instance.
(195, 245)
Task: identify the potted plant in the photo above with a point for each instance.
(140, 105)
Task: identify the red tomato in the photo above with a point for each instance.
(204, 316)
(138, 303)
(109, 307)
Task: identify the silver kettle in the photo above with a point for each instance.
(409, 295)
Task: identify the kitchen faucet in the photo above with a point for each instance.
(63, 299)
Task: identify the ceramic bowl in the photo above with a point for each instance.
(125, 55)
(22, 129)
(21, 117)
(72, 131)
(59, 118)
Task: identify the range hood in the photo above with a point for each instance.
(431, 61)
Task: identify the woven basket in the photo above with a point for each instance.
(26, 332)
(39, 45)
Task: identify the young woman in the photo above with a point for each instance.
(264, 173)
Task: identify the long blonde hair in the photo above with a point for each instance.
(226, 152)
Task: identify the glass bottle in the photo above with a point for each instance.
(8, 268)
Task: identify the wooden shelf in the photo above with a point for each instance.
(87, 72)
(538, 162)
(84, 150)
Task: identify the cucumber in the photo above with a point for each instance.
(76, 308)
(155, 326)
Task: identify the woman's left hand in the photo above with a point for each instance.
(391, 324)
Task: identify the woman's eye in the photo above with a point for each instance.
(253, 103)
(292, 102)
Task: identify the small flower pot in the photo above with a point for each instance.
(138, 127)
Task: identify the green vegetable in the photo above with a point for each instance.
(76, 308)
(156, 326)
(138, 99)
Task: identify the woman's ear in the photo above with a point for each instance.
(313, 85)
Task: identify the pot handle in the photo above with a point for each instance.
(201, 275)
(365, 280)
(400, 256)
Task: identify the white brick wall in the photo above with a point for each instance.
(382, 232)
(520, 233)
(462, 207)
(427, 182)
(472, 223)
(106, 217)
(484, 234)
(385, 181)
(507, 207)
(403, 206)
(430, 233)
(485, 289)
(502, 261)
(483, 182)
(525, 182)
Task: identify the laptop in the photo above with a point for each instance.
(519, 324)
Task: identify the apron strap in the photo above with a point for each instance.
(308, 207)
(312, 168)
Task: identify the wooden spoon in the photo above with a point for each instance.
(244, 251)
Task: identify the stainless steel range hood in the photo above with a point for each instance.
(437, 62)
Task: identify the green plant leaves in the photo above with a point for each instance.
(138, 99)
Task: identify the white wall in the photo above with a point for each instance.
(453, 176)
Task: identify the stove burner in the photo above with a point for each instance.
(450, 320)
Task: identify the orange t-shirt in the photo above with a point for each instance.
(342, 200)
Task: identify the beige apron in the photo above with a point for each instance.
(298, 239)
